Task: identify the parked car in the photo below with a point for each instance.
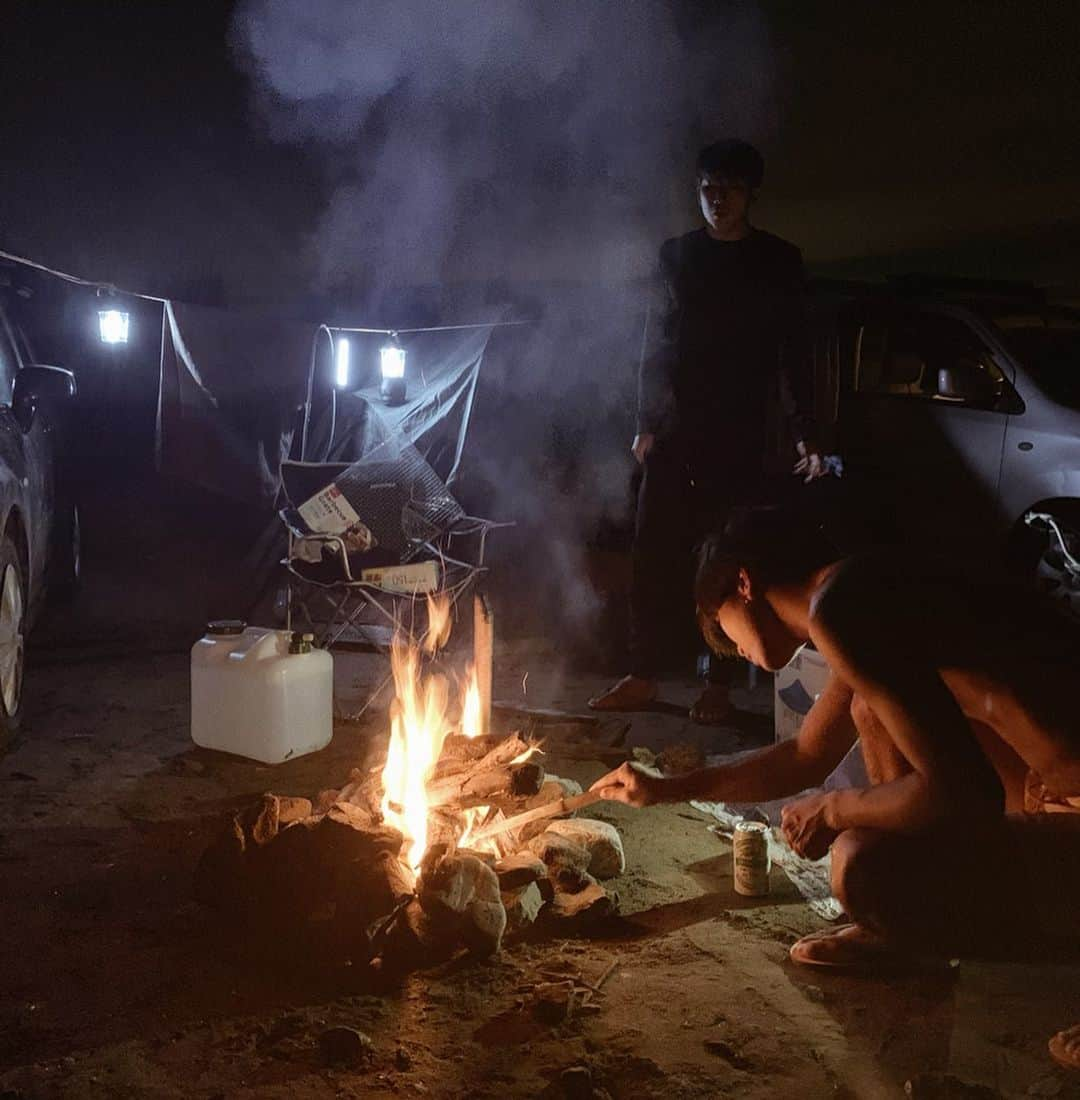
(39, 522)
(957, 409)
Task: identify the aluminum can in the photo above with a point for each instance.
(750, 857)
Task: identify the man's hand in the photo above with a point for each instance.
(810, 464)
(805, 825)
(642, 445)
(634, 785)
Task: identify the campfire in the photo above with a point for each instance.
(458, 838)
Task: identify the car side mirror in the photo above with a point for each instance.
(39, 385)
(965, 380)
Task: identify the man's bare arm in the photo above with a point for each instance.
(774, 772)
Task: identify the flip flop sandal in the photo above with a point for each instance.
(862, 957)
(609, 701)
(1064, 1047)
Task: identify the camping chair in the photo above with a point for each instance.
(348, 586)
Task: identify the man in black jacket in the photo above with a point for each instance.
(729, 341)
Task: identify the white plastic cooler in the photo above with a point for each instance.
(264, 694)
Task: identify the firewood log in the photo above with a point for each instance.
(479, 787)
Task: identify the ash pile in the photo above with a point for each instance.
(340, 875)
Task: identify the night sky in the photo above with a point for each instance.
(938, 135)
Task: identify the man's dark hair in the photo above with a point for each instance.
(771, 544)
(732, 160)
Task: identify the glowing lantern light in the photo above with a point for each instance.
(392, 365)
(113, 326)
(341, 363)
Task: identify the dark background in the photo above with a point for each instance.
(141, 148)
(938, 132)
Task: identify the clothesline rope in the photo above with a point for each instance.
(113, 289)
(77, 280)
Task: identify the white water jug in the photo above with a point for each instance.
(264, 694)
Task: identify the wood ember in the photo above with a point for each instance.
(600, 839)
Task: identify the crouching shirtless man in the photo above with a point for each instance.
(962, 695)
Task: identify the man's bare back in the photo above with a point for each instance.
(1009, 661)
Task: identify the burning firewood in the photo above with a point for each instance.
(478, 787)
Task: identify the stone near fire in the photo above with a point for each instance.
(519, 870)
(260, 821)
(601, 839)
(462, 892)
(570, 787)
(220, 879)
(345, 1046)
(356, 833)
(560, 853)
(581, 909)
(263, 820)
(522, 906)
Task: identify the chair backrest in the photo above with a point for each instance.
(394, 491)
(302, 480)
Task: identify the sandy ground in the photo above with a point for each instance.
(116, 984)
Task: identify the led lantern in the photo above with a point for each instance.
(113, 326)
(341, 363)
(392, 364)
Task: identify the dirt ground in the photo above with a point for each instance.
(116, 984)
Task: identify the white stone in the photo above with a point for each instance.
(600, 839)
(522, 906)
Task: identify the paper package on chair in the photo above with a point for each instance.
(411, 579)
(329, 513)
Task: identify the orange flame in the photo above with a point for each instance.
(418, 728)
(438, 632)
(472, 722)
(474, 819)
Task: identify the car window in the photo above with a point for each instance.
(901, 355)
(1048, 344)
(9, 364)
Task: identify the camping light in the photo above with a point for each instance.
(392, 363)
(113, 326)
(341, 363)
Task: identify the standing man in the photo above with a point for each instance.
(730, 337)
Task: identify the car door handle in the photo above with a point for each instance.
(1025, 446)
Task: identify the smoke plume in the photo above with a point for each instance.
(517, 138)
(530, 144)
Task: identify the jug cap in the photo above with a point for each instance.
(225, 627)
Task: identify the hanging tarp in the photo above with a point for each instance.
(441, 372)
(232, 382)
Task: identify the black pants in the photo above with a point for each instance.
(681, 499)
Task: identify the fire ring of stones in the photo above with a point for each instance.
(332, 872)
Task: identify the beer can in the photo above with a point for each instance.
(750, 856)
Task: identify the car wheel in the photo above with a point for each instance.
(1055, 568)
(65, 569)
(12, 639)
